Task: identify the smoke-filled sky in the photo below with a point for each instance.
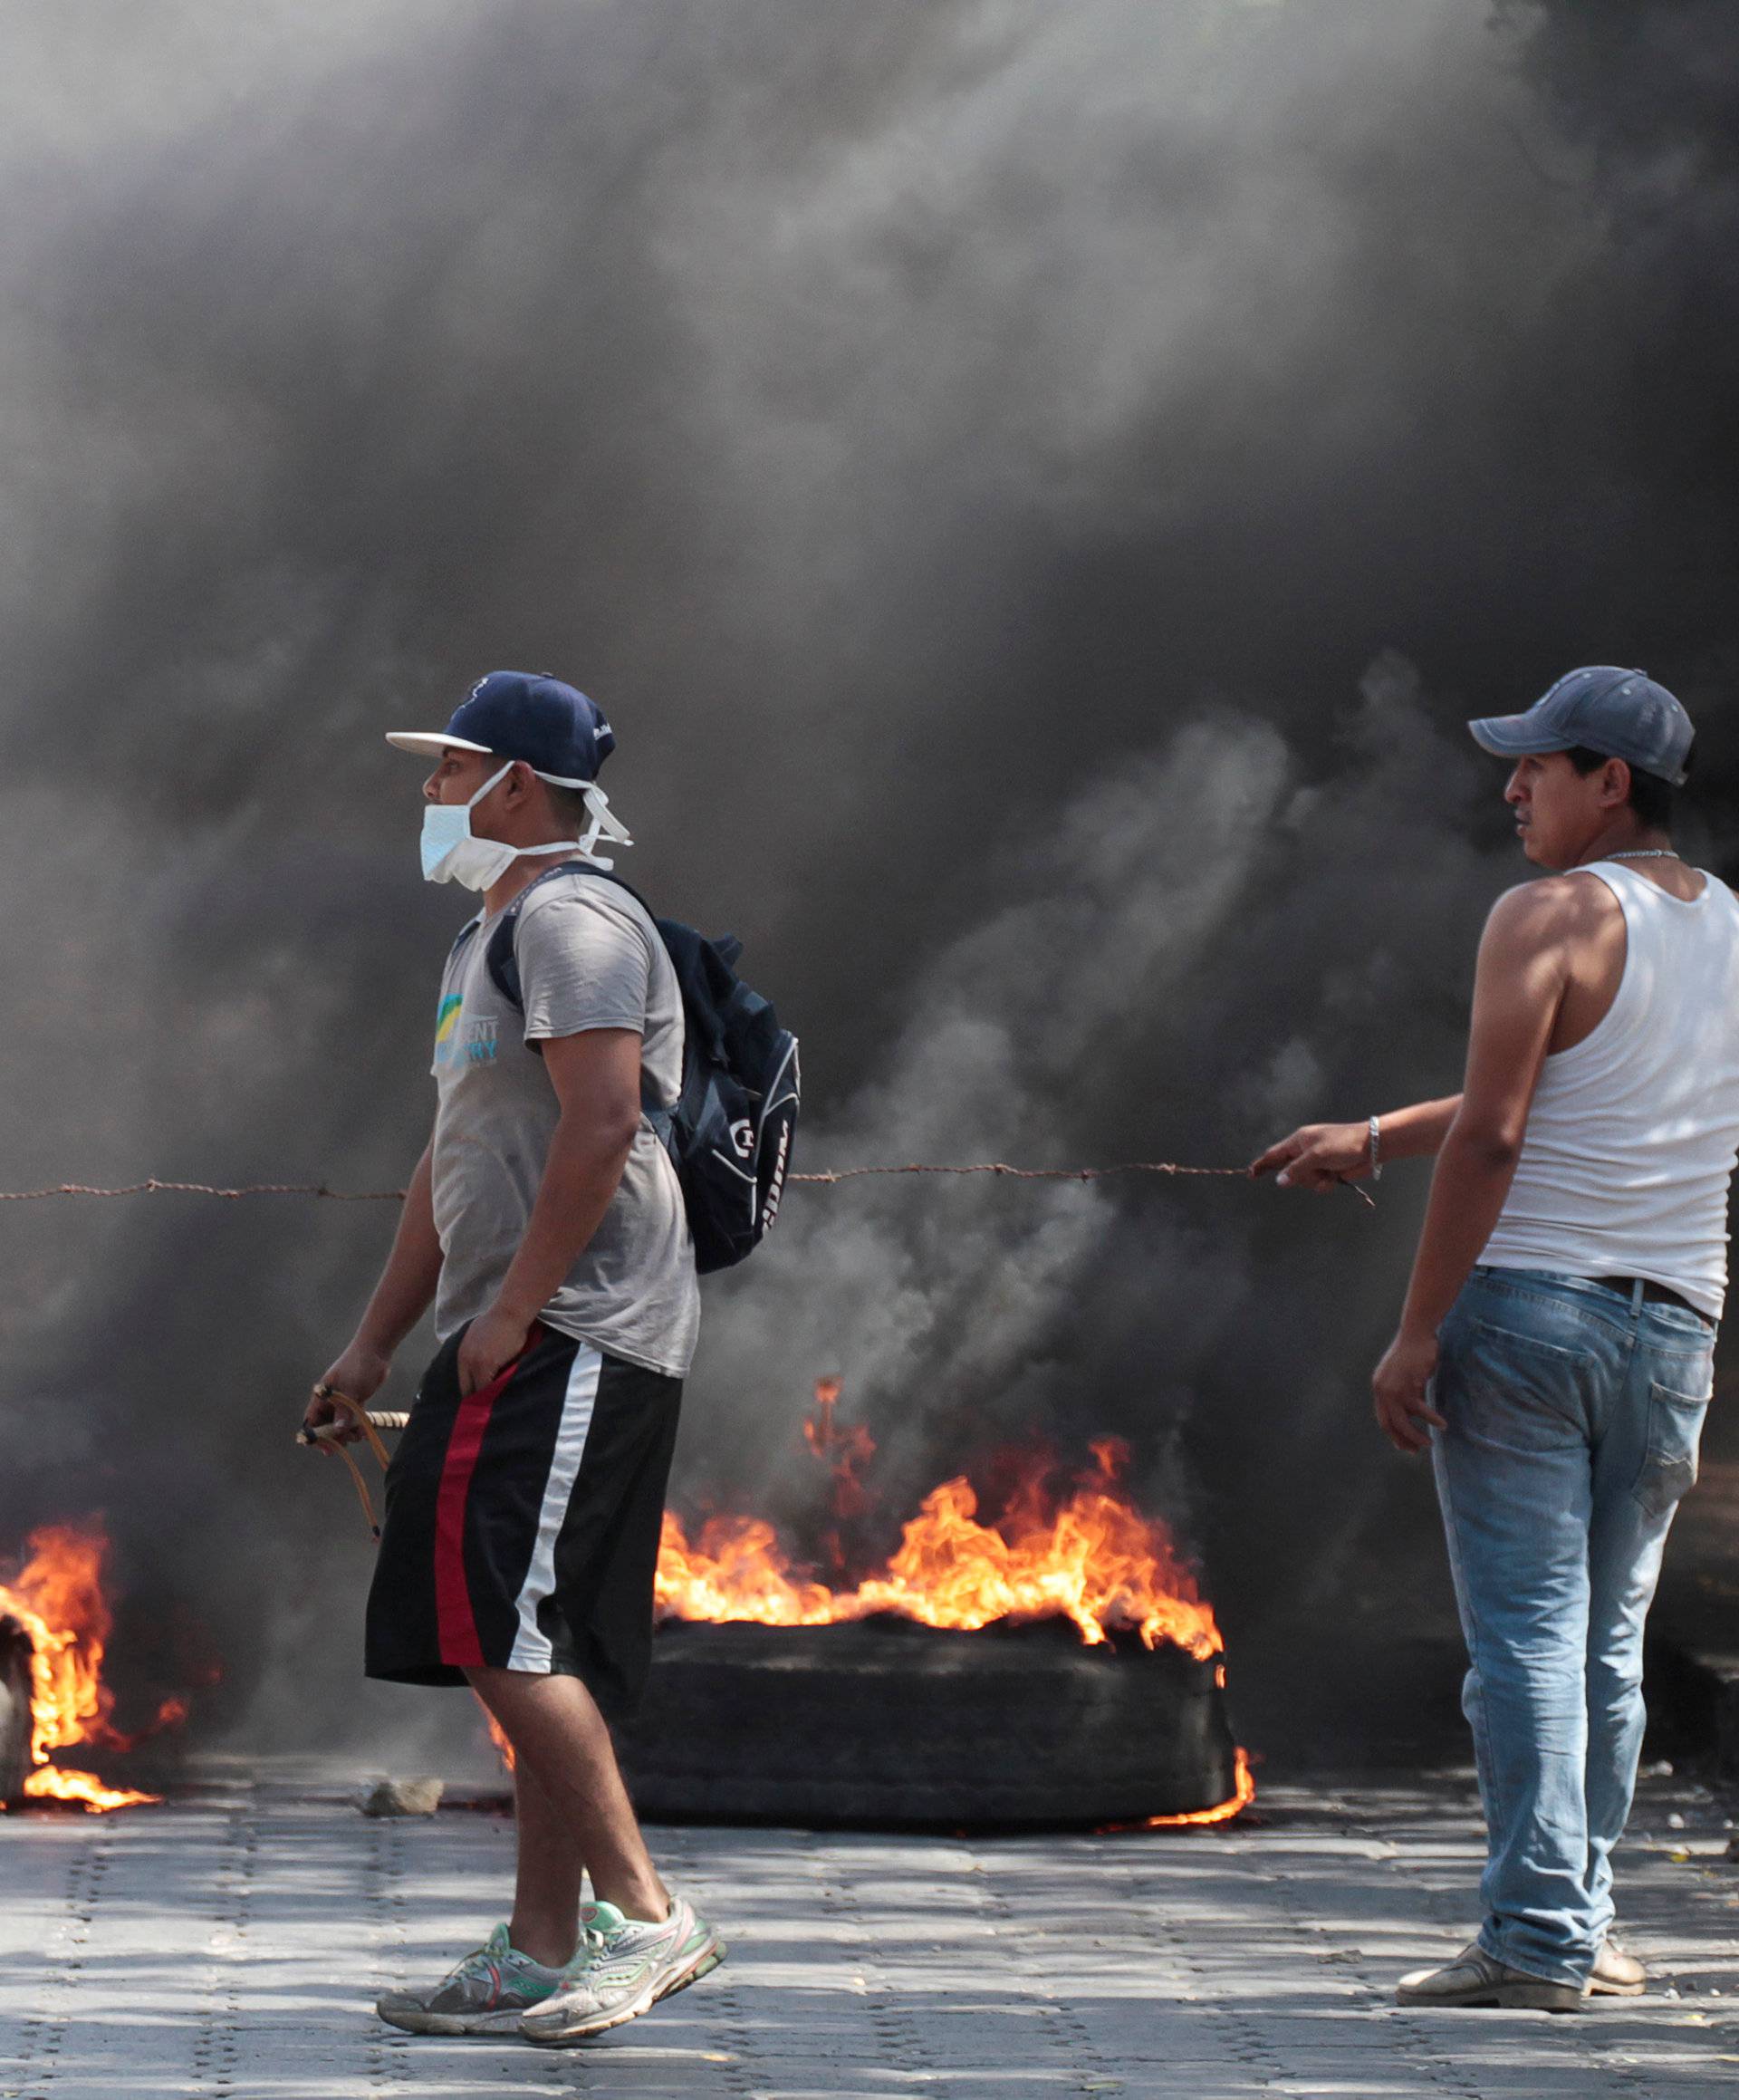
(1037, 490)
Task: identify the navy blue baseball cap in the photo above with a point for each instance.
(1622, 714)
(558, 733)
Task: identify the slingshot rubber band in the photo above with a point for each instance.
(371, 1426)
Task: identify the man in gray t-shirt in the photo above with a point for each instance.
(546, 1226)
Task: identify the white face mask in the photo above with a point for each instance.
(451, 854)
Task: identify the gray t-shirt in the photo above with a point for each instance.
(589, 957)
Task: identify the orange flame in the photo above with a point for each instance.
(498, 1736)
(57, 1599)
(843, 1452)
(1244, 1794)
(843, 1449)
(1092, 1559)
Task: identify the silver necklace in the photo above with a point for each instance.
(1646, 853)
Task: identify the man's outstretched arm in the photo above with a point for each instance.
(1319, 1156)
(399, 1300)
(1518, 988)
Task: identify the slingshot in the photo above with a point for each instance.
(370, 1424)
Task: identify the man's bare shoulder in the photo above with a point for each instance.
(1549, 910)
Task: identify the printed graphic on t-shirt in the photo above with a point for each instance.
(458, 1041)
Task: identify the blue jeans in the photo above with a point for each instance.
(1573, 1415)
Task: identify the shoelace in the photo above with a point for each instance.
(482, 1967)
(496, 1967)
(605, 1967)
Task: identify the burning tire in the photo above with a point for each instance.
(888, 1723)
(15, 1710)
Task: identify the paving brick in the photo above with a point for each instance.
(227, 1947)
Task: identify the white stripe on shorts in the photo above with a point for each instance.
(531, 1648)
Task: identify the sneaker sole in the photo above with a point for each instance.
(414, 2020)
(706, 1958)
(705, 1967)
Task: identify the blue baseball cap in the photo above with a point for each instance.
(558, 733)
(1622, 714)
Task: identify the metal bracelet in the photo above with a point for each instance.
(1376, 1149)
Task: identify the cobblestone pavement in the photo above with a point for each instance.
(229, 1944)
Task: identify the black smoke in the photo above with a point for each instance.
(1038, 490)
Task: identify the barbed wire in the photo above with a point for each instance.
(1024, 1173)
(156, 1188)
(822, 1181)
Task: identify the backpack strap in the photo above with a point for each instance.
(503, 965)
(464, 934)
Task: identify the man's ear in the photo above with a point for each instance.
(1614, 783)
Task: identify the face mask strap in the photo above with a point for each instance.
(604, 823)
(493, 781)
(518, 852)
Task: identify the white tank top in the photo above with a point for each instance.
(1631, 1138)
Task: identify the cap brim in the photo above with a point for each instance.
(433, 741)
(1514, 737)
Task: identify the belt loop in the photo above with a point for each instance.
(1635, 1293)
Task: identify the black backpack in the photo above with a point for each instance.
(730, 1132)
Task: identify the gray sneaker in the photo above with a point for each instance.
(486, 1994)
(1473, 1978)
(623, 1969)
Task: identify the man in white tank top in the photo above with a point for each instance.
(1555, 1352)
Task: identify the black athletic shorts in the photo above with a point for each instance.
(523, 1521)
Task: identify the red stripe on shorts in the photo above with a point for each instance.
(456, 1626)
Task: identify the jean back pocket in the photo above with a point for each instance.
(1511, 1392)
(1669, 1463)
